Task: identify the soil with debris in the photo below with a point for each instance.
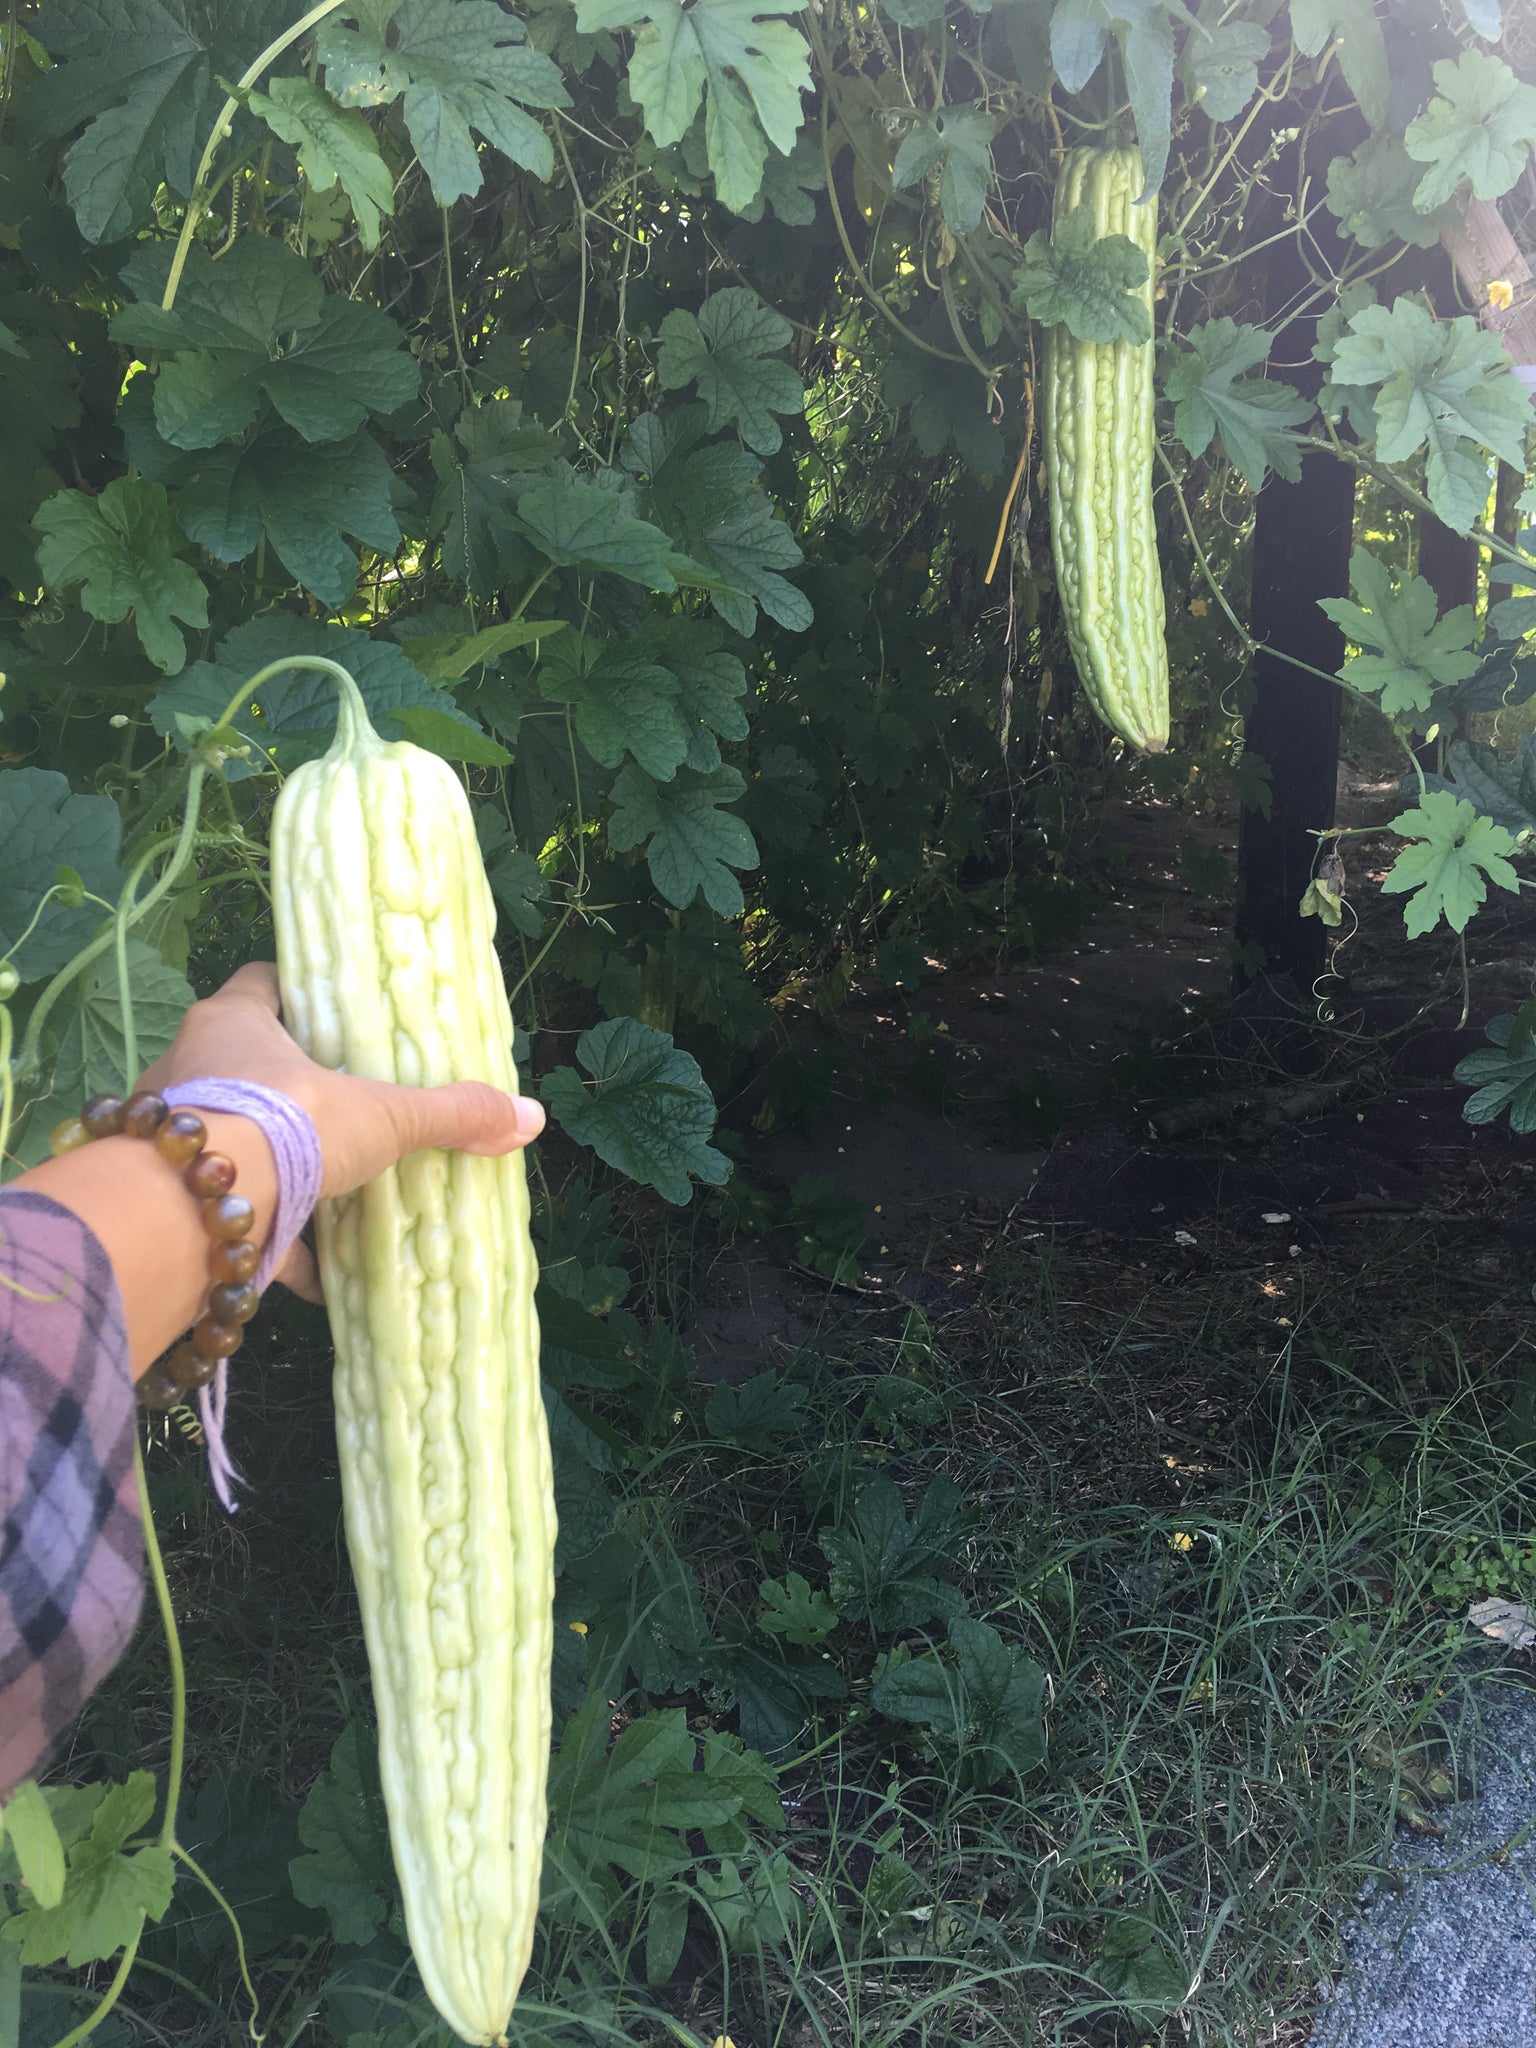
(1319, 1125)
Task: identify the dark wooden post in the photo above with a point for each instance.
(1301, 541)
(1448, 564)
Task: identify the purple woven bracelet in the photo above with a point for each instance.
(295, 1147)
(296, 1150)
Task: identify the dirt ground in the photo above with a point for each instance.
(1058, 1073)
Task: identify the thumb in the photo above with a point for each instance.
(464, 1116)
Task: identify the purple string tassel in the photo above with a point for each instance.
(296, 1150)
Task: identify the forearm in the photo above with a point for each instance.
(151, 1225)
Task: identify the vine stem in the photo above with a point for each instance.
(167, 1837)
(197, 204)
(7, 1078)
(1484, 536)
(130, 912)
(163, 1601)
(1018, 477)
(581, 284)
(125, 920)
(1249, 644)
(866, 283)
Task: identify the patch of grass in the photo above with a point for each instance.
(1235, 1550)
(1245, 1687)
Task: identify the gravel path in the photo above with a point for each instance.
(1451, 1961)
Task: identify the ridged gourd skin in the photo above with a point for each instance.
(385, 929)
(1099, 440)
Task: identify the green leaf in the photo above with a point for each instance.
(957, 142)
(1504, 791)
(710, 685)
(447, 656)
(92, 1054)
(647, 1112)
(28, 1826)
(518, 884)
(108, 1892)
(625, 703)
(1221, 66)
(580, 524)
(828, 1227)
(1453, 850)
(1080, 30)
(43, 825)
(713, 507)
(748, 68)
(757, 1414)
(335, 145)
(298, 709)
(882, 1564)
(348, 1870)
(755, 1906)
(1353, 30)
(1417, 653)
(729, 350)
(629, 1807)
(985, 1709)
(463, 69)
(580, 1349)
(949, 409)
(258, 323)
(492, 455)
(142, 77)
(666, 1929)
(788, 183)
(1089, 284)
(1254, 418)
(783, 802)
(1137, 1967)
(793, 1610)
(440, 732)
(304, 499)
(746, 549)
(120, 547)
(731, 1766)
(1371, 193)
(1446, 387)
(690, 843)
(1504, 1079)
(1480, 125)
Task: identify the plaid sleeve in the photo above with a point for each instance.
(71, 1549)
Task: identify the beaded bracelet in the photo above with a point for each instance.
(180, 1136)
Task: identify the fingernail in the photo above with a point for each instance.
(530, 1115)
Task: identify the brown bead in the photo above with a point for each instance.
(103, 1116)
(189, 1368)
(181, 1137)
(230, 1216)
(144, 1113)
(158, 1390)
(210, 1173)
(235, 1302)
(68, 1136)
(216, 1340)
(234, 1261)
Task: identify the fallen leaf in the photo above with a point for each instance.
(1505, 1620)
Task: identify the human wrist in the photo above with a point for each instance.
(292, 1152)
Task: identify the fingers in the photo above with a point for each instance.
(255, 982)
(463, 1116)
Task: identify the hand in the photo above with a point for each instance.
(363, 1126)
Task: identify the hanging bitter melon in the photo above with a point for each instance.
(1099, 451)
